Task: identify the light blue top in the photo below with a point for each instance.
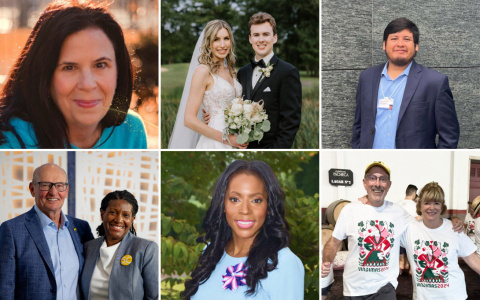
(130, 134)
(63, 254)
(286, 282)
(387, 119)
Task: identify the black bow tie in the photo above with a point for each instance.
(259, 63)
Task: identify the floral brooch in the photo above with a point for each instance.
(236, 276)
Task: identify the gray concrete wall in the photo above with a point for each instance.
(352, 35)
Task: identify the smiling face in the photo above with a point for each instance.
(117, 220)
(85, 78)
(400, 48)
(262, 39)
(245, 206)
(221, 44)
(377, 183)
(431, 210)
(51, 201)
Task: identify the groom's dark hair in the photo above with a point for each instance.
(262, 17)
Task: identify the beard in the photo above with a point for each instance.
(401, 62)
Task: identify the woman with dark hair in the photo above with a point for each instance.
(72, 85)
(433, 249)
(246, 256)
(119, 265)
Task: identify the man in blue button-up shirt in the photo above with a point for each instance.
(401, 104)
(41, 251)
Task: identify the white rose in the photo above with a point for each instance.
(257, 118)
(236, 101)
(248, 109)
(236, 120)
(233, 126)
(236, 109)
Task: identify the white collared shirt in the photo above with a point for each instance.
(256, 72)
(101, 274)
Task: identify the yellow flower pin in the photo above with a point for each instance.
(126, 260)
(75, 229)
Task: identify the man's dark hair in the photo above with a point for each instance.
(260, 18)
(411, 190)
(400, 24)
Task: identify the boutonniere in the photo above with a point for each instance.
(266, 71)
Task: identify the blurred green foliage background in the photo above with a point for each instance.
(187, 182)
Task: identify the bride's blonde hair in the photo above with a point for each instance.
(206, 55)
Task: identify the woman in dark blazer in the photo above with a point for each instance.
(119, 265)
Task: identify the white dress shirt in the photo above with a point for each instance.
(256, 72)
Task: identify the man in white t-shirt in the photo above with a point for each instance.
(469, 221)
(475, 214)
(373, 232)
(410, 206)
(409, 202)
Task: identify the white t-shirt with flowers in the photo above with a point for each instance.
(433, 256)
(374, 244)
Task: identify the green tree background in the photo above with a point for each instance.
(297, 27)
(187, 182)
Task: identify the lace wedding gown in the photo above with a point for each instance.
(215, 101)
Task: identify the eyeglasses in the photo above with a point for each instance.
(46, 186)
(373, 178)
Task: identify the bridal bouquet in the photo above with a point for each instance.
(247, 119)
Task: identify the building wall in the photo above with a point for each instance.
(352, 35)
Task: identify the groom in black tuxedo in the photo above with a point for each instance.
(279, 88)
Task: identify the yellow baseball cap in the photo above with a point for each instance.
(380, 164)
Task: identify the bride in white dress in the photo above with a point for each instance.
(211, 82)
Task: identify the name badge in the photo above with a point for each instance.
(386, 103)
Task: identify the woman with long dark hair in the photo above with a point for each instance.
(118, 264)
(246, 236)
(72, 85)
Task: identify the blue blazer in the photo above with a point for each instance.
(427, 110)
(138, 280)
(26, 268)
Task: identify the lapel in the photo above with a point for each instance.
(76, 241)
(413, 80)
(375, 87)
(118, 270)
(34, 227)
(263, 79)
(90, 263)
(248, 84)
